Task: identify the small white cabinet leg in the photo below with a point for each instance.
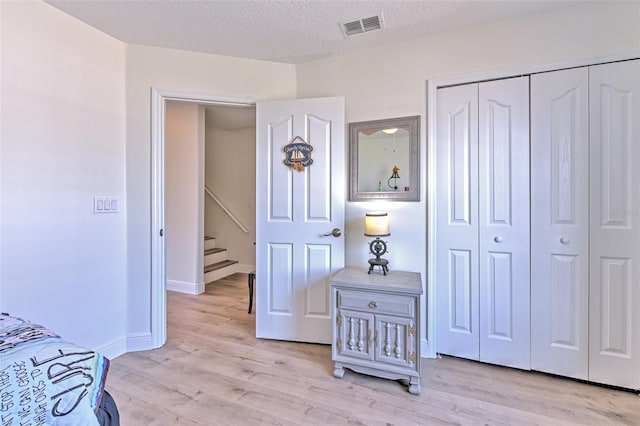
(338, 371)
(414, 386)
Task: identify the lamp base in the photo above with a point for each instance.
(382, 263)
(378, 248)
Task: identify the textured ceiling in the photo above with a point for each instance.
(289, 31)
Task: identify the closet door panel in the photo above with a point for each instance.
(503, 207)
(614, 328)
(560, 222)
(457, 222)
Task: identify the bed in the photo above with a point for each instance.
(45, 380)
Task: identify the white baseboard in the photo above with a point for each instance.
(426, 350)
(185, 287)
(139, 342)
(245, 269)
(114, 348)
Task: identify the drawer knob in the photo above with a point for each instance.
(373, 304)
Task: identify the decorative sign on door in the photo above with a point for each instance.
(298, 154)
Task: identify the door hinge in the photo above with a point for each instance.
(412, 357)
(339, 320)
(412, 330)
(339, 345)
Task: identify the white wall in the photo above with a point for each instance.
(230, 173)
(187, 72)
(65, 89)
(390, 81)
(62, 143)
(184, 152)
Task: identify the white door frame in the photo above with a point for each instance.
(429, 348)
(158, 272)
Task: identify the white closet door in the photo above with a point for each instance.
(560, 222)
(504, 251)
(614, 328)
(457, 327)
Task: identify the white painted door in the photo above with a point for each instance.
(614, 304)
(295, 209)
(560, 222)
(482, 222)
(503, 202)
(457, 287)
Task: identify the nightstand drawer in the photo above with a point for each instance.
(376, 302)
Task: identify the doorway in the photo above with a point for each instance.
(158, 197)
(230, 189)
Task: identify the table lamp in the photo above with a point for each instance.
(377, 225)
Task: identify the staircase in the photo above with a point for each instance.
(216, 264)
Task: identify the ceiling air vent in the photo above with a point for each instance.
(362, 25)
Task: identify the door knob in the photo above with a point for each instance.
(497, 239)
(564, 240)
(336, 232)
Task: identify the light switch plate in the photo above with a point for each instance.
(106, 204)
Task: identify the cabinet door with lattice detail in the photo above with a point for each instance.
(354, 334)
(395, 341)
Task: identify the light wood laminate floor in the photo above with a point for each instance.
(213, 371)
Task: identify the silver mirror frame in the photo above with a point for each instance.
(413, 124)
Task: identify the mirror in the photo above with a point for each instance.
(385, 160)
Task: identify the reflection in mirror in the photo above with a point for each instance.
(381, 152)
(384, 159)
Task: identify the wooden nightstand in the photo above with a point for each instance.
(376, 324)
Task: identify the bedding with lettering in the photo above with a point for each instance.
(45, 380)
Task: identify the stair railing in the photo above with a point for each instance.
(225, 209)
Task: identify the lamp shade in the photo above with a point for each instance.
(376, 225)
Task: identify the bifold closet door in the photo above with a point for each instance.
(504, 218)
(614, 304)
(560, 222)
(457, 287)
(482, 222)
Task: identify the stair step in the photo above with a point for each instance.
(209, 243)
(219, 270)
(213, 250)
(219, 265)
(215, 255)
